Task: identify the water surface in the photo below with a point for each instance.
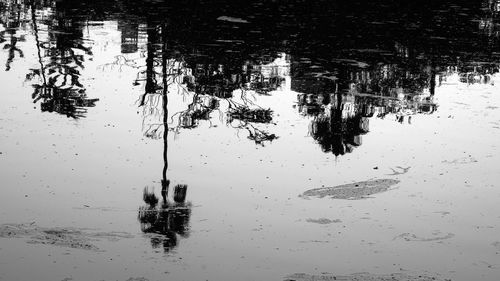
(273, 140)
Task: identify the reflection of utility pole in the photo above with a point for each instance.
(336, 122)
(432, 82)
(164, 181)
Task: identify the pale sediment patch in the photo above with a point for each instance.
(16, 230)
(59, 236)
(360, 277)
(352, 191)
(63, 238)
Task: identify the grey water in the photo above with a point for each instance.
(261, 140)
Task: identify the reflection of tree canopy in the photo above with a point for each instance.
(341, 118)
(338, 135)
(61, 58)
(386, 80)
(241, 116)
(165, 221)
(209, 62)
(203, 87)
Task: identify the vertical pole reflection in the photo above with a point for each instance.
(432, 82)
(164, 181)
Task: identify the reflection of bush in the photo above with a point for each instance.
(69, 102)
(260, 136)
(246, 114)
(165, 221)
(246, 117)
(265, 86)
(477, 75)
(199, 109)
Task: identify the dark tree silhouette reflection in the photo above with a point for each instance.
(208, 88)
(341, 102)
(345, 74)
(166, 220)
(61, 55)
(337, 128)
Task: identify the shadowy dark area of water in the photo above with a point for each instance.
(251, 119)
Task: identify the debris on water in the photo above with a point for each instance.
(352, 191)
(138, 279)
(64, 238)
(464, 160)
(58, 236)
(361, 277)
(323, 221)
(399, 171)
(232, 19)
(413, 237)
(443, 213)
(315, 241)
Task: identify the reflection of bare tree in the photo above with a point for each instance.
(205, 88)
(205, 93)
(241, 116)
(242, 113)
(159, 74)
(259, 136)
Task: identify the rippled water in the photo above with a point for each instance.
(273, 140)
